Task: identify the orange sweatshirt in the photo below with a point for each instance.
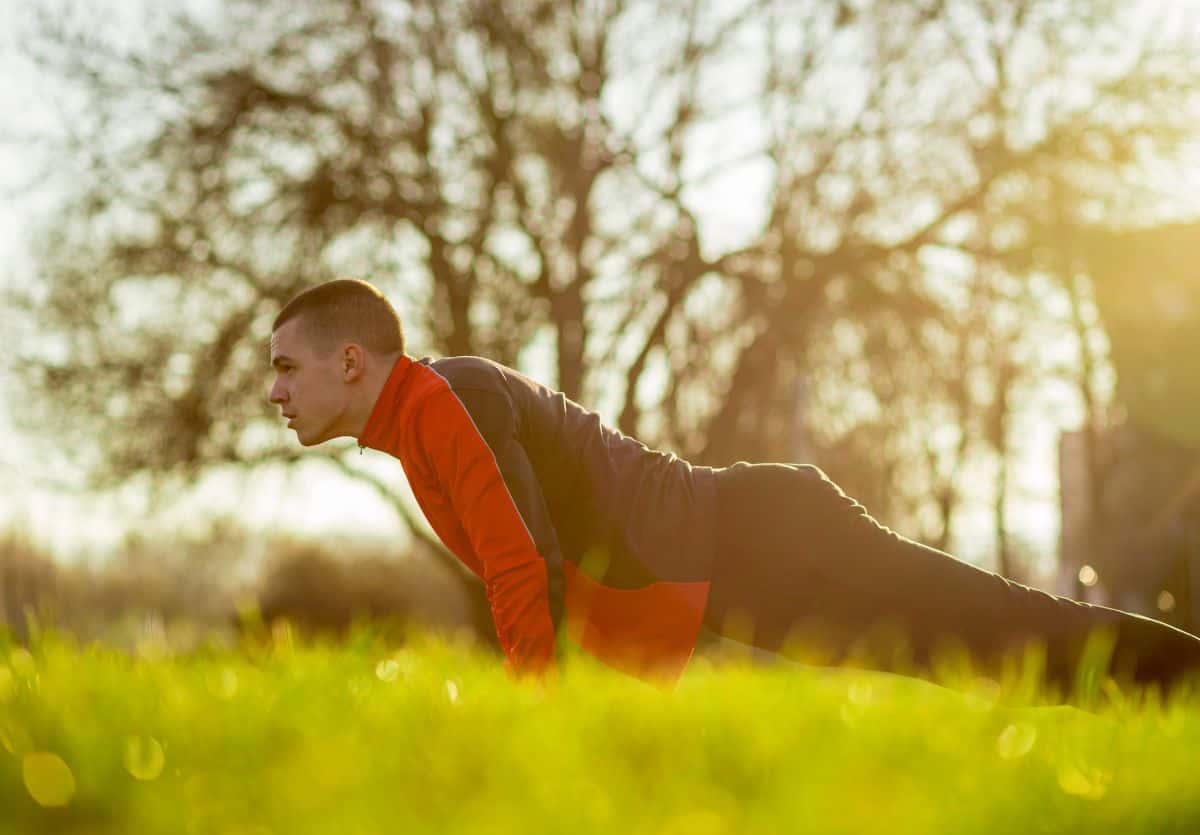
(569, 523)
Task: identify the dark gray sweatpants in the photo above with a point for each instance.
(798, 559)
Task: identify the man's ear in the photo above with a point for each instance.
(353, 359)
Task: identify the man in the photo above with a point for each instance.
(575, 527)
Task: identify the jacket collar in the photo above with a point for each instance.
(381, 423)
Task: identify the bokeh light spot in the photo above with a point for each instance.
(387, 670)
(15, 739)
(1081, 781)
(144, 757)
(48, 779)
(1166, 601)
(1088, 576)
(1016, 740)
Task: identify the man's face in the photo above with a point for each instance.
(309, 391)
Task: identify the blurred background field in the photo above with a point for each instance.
(191, 590)
(285, 735)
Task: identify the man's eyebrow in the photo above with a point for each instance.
(282, 358)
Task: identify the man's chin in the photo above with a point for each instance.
(308, 438)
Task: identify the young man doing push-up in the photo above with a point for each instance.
(574, 526)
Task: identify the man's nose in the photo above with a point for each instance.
(274, 395)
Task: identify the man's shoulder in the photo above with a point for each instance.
(482, 374)
(484, 389)
(470, 372)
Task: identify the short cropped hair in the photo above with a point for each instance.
(345, 309)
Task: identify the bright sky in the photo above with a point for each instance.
(319, 501)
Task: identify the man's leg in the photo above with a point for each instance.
(798, 559)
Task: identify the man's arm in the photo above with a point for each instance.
(469, 439)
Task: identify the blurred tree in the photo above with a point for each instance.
(1136, 524)
(535, 172)
(1029, 136)
(1147, 290)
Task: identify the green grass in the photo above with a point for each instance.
(283, 736)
